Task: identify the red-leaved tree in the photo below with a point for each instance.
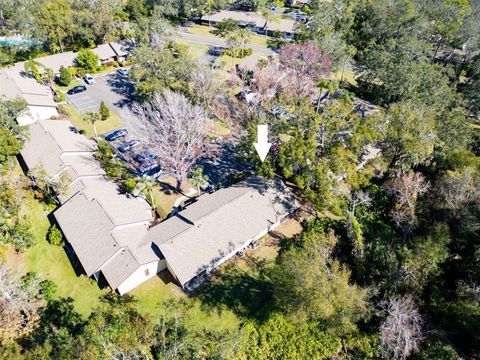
(304, 64)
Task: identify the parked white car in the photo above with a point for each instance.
(89, 79)
(123, 71)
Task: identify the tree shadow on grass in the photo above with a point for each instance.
(244, 292)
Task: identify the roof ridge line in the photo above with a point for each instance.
(211, 212)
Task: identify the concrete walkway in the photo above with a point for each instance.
(184, 197)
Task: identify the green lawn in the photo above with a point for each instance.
(195, 50)
(348, 76)
(113, 122)
(62, 88)
(165, 196)
(51, 262)
(205, 30)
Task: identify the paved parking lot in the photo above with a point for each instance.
(84, 102)
(117, 92)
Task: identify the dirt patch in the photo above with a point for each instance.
(14, 260)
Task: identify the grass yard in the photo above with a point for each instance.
(73, 83)
(165, 196)
(51, 262)
(348, 76)
(205, 30)
(113, 122)
(195, 50)
(219, 129)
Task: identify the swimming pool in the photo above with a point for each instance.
(17, 42)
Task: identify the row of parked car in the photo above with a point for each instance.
(143, 162)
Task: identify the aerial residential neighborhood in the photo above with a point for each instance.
(240, 179)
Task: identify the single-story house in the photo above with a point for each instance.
(15, 83)
(217, 226)
(111, 233)
(55, 61)
(286, 27)
(122, 49)
(105, 53)
(105, 234)
(254, 21)
(58, 148)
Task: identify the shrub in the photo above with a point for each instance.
(104, 111)
(65, 77)
(54, 235)
(87, 60)
(239, 52)
(59, 97)
(48, 288)
(63, 110)
(80, 72)
(130, 185)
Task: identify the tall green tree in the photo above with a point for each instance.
(54, 23)
(309, 284)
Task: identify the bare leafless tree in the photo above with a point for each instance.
(205, 86)
(406, 187)
(177, 131)
(401, 332)
(18, 305)
(458, 189)
(268, 81)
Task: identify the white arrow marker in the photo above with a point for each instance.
(262, 145)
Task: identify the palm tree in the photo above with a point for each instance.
(198, 178)
(232, 43)
(92, 118)
(209, 10)
(146, 184)
(268, 18)
(33, 66)
(48, 76)
(243, 35)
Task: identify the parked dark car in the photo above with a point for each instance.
(216, 50)
(77, 89)
(123, 71)
(115, 134)
(149, 170)
(128, 145)
(144, 157)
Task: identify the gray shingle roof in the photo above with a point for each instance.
(88, 229)
(55, 61)
(120, 267)
(121, 48)
(56, 146)
(123, 209)
(239, 16)
(104, 52)
(218, 223)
